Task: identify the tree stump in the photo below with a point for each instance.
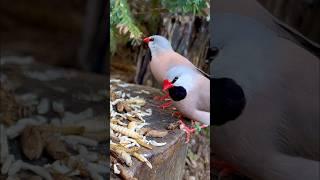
(168, 161)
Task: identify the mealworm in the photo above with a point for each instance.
(157, 133)
(132, 125)
(125, 131)
(143, 159)
(123, 155)
(155, 143)
(142, 143)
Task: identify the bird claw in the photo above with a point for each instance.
(166, 105)
(178, 114)
(161, 98)
(188, 130)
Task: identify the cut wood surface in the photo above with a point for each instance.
(168, 161)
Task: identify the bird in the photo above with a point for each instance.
(276, 136)
(187, 86)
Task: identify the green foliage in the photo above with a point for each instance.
(123, 25)
(113, 40)
(184, 6)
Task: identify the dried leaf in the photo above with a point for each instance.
(125, 173)
(157, 133)
(32, 143)
(127, 108)
(173, 126)
(143, 131)
(56, 148)
(120, 107)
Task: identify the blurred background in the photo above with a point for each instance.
(74, 34)
(37, 38)
(70, 34)
(302, 15)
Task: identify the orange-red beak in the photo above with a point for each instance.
(166, 85)
(146, 40)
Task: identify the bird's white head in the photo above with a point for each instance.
(179, 76)
(158, 44)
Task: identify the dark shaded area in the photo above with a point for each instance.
(95, 38)
(70, 34)
(79, 92)
(69, 42)
(302, 15)
(277, 136)
(228, 100)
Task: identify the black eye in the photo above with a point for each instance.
(174, 80)
(151, 39)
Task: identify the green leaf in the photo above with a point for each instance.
(124, 26)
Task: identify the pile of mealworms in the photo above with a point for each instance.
(129, 130)
(51, 148)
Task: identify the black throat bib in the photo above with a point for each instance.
(177, 93)
(228, 100)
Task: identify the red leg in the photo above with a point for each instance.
(185, 128)
(166, 105)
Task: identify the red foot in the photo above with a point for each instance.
(178, 114)
(185, 128)
(162, 98)
(166, 105)
(188, 130)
